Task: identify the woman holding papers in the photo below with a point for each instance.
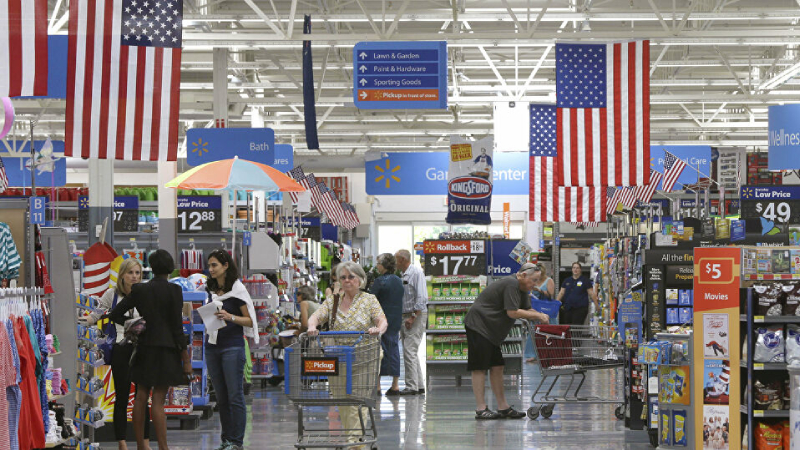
(160, 359)
(225, 352)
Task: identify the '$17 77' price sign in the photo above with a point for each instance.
(439, 265)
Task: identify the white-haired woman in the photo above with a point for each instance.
(353, 310)
(130, 273)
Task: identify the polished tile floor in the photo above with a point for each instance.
(442, 419)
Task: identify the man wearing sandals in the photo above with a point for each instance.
(488, 322)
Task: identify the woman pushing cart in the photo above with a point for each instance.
(340, 367)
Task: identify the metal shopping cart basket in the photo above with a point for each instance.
(566, 353)
(337, 368)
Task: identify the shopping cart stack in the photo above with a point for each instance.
(334, 369)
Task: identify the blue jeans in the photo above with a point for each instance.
(226, 368)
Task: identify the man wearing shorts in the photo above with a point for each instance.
(488, 322)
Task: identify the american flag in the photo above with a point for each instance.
(317, 197)
(673, 167)
(585, 224)
(123, 79)
(613, 194)
(3, 177)
(603, 99)
(332, 205)
(297, 174)
(351, 215)
(645, 193)
(548, 201)
(628, 197)
(23, 38)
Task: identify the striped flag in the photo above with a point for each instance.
(613, 194)
(673, 167)
(548, 201)
(317, 197)
(23, 38)
(297, 174)
(645, 193)
(123, 79)
(628, 197)
(603, 116)
(333, 207)
(3, 177)
(353, 214)
(585, 224)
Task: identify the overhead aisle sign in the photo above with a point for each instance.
(400, 75)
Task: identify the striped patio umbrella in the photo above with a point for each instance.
(235, 175)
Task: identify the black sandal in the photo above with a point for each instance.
(486, 414)
(510, 413)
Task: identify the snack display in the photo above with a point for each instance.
(769, 346)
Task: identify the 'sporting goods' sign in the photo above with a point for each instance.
(784, 137)
(400, 75)
(204, 145)
(469, 191)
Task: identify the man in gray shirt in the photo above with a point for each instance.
(415, 317)
(487, 323)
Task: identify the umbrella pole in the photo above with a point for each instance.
(235, 218)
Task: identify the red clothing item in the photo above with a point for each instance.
(31, 423)
(8, 377)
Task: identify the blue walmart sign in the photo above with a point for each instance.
(420, 173)
(205, 145)
(696, 156)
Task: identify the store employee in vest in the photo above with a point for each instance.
(415, 318)
(574, 296)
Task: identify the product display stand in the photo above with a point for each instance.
(87, 390)
(675, 415)
(199, 387)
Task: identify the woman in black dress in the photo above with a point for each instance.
(160, 359)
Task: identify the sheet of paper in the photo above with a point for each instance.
(210, 320)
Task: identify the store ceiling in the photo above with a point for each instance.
(715, 65)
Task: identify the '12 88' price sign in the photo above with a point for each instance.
(199, 214)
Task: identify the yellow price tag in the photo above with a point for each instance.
(758, 366)
(758, 318)
(758, 413)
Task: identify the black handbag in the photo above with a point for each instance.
(110, 330)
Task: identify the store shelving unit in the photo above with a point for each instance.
(199, 387)
(88, 362)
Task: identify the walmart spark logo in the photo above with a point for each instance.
(199, 147)
(387, 174)
(747, 193)
(83, 203)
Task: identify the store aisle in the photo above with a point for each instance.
(443, 419)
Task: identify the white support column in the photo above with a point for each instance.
(168, 209)
(220, 79)
(101, 198)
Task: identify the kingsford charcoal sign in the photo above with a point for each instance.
(469, 191)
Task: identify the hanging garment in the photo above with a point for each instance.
(13, 393)
(31, 425)
(9, 257)
(35, 324)
(42, 277)
(8, 378)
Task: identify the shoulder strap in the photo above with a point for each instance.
(334, 311)
(114, 302)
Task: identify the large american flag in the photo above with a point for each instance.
(23, 40)
(603, 116)
(673, 167)
(123, 79)
(297, 174)
(645, 193)
(628, 197)
(332, 206)
(550, 202)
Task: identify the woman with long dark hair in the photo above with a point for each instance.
(225, 351)
(160, 359)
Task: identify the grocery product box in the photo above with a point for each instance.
(447, 347)
(447, 317)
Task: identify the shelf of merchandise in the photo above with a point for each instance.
(87, 368)
(447, 331)
(767, 413)
(772, 319)
(446, 361)
(748, 408)
(771, 276)
(766, 366)
(198, 366)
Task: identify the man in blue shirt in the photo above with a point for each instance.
(574, 296)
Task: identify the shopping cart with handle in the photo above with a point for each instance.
(336, 368)
(566, 354)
